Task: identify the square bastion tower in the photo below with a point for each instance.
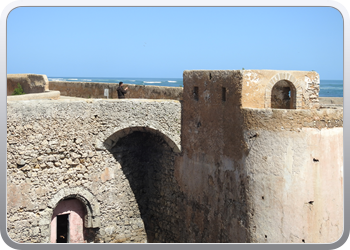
(261, 158)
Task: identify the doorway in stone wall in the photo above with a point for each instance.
(67, 222)
(62, 228)
(283, 95)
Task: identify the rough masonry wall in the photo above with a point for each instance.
(55, 149)
(211, 170)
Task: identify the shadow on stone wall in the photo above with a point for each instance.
(148, 163)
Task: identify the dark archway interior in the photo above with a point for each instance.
(148, 163)
(283, 95)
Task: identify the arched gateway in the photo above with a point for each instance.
(146, 157)
(73, 210)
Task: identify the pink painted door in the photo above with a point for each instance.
(73, 230)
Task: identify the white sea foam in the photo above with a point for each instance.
(86, 80)
(72, 79)
(151, 82)
(172, 81)
(333, 88)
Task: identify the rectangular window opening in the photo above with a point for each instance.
(195, 93)
(223, 94)
(62, 232)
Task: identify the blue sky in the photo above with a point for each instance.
(165, 41)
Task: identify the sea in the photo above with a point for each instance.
(328, 88)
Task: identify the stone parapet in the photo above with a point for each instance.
(292, 120)
(278, 89)
(97, 90)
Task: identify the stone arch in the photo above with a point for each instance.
(295, 87)
(148, 164)
(92, 217)
(112, 140)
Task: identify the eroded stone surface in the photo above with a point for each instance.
(31, 83)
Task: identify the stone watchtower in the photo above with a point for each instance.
(260, 157)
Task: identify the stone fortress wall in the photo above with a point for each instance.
(215, 167)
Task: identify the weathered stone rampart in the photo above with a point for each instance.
(255, 174)
(96, 90)
(219, 166)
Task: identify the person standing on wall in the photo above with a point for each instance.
(121, 91)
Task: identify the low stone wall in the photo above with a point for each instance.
(96, 90)
(31, 83)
